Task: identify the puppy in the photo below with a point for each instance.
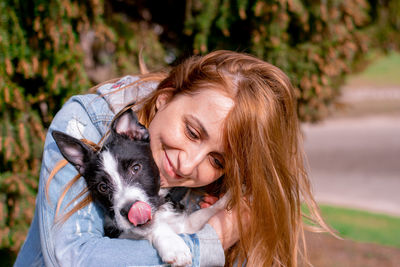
(124, 180)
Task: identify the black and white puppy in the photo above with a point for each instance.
(124, 180)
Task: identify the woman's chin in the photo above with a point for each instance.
(165, 183)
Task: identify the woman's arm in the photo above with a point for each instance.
(80, 240)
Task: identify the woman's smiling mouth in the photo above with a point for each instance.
(169, 169)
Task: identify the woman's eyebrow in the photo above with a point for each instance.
(201, 127)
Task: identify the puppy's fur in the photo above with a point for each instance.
(123, 172)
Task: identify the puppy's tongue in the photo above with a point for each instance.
(139, 213)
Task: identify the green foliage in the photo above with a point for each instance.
(39, 67)
(384, 72)
(386, 26)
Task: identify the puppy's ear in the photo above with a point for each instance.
(74, 150)
(127, 124)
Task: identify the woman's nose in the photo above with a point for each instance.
(188, 161)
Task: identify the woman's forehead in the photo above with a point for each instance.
(214, 103)
(209, 108)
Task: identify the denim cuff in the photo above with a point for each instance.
(211, 251)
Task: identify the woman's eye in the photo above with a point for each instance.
(191, 133)
(217, 163)
(102, 187)
(136, 168)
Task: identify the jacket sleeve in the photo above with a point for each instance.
(80, 241)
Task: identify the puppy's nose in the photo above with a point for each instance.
(125, 210)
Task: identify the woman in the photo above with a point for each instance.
(226, 119)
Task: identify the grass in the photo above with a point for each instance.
(383, 70)
(363, 226)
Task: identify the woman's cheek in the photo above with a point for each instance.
(208, 174)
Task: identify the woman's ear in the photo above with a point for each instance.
(162, 100)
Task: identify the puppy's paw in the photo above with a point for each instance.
(173, 250)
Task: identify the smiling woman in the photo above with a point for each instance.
(225, 119)
(189, 149)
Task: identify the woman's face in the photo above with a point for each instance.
(186, 138)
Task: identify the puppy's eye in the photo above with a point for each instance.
(135, 168)
(102, 187)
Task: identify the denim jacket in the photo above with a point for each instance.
(80, 241)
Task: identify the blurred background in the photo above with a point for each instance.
(341, 55)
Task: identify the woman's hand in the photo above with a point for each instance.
(226, 225)
(225, 222)
(208, 200)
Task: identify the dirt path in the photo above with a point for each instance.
(326, 251)
(354, 156)
(354, 160)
